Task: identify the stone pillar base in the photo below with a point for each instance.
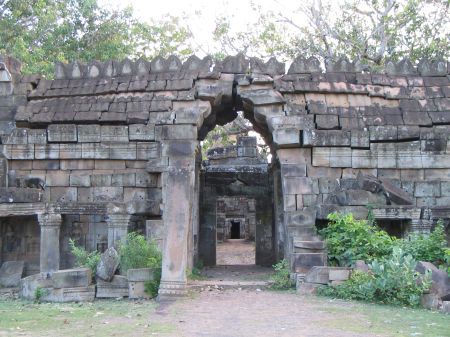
(171, 290)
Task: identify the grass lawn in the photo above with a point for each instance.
(387, 320)
(100, 318)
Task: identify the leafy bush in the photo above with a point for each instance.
(154, 262)
(427, 247)
(349, 240)
(152, 287)
(391, 281)
(282, 277)
(84, 258)
(137, 252)
(446, 265)
(358, 287)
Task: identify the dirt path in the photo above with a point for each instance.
(234, 313)
(235, 251)
(220, 313)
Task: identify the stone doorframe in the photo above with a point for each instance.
(217, 100)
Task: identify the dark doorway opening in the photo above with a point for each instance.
(394, 227)
(235, 232)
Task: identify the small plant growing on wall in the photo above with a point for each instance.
(84, 258)
(39, 294)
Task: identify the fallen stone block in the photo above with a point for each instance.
(369, 183)
(77, 294)
(117, 287)
(109, 262)
(445, 307)
(395, 194)
(440, 281)
(136, 282)
(29, 284)
(307, 288)
(72, 278)
(317, 275)
(429, 301)
(11, 273)
(338, 274)
(361, 266)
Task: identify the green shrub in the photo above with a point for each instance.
(397, 282)
(358, 287)
(282, 276)
(137, 252)
(391, 281)
(349, 240)
(152, 287)
(84, 258)
(446, 265)
(427, 247)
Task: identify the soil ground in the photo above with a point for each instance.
(235, 252)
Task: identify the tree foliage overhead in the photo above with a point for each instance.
(41, 32)
(368, 30)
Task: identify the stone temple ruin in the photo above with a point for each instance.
(108, 148)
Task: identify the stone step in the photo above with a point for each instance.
(303, 262)
(227, 284)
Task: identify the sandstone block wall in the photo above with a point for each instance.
(126, 135)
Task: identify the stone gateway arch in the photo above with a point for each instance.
(111, 147)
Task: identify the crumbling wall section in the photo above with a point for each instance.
(113, 134)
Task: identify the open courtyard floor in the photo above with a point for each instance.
(220, 313)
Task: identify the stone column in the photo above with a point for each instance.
(49, 251)
(117, 227)
(179, 186)
(178, 196)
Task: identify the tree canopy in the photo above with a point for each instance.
(41, 32)
(369, 30)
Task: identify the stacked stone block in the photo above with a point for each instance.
(120, 139)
